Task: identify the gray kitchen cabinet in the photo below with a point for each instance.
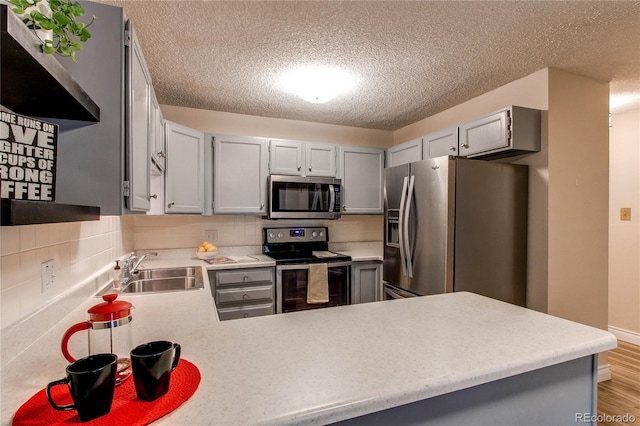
(406, 152)
(157, 134)
(297, 158)
(441, 143)
(240, 170)
(286, 158)
(366, 282)
(140, 128)
(510, 131)
(361, 171)
(243, 293)
(320, 159)
(184, 173)
(106, 164)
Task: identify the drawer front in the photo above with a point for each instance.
(244, 276)
(246, 294)
(245, 311)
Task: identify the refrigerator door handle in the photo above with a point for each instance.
(407, 243)
(403, 198)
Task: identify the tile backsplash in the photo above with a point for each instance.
(79, 250)
(168, 232)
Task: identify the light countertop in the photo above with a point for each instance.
(325, 365)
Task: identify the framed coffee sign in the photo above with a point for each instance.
(28, 149)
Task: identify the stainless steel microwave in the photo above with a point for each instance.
(292, 197)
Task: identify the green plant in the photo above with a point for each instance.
(68, 32)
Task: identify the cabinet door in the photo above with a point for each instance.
(484, 134)
(361, 174)
(157, 134)
(139, 170)
(320, 159)
(406, 152)
(441, 143)
(240, 175)
(184, 174)
(366, 282)
(286, 158)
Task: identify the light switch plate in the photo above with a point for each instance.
(625, 213)
(211, 236)
(46, 274)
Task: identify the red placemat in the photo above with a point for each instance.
(125, 409)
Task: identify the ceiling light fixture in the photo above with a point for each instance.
(317, 84)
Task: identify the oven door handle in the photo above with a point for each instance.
(306, 266)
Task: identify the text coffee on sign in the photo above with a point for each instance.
(28, 149)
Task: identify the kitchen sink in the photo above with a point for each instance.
(145, 274)
(161, 280)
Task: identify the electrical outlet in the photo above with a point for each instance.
(211, 236)
(625, 213)
(46, 274)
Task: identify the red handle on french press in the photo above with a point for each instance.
(67, 335)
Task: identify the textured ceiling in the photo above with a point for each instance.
(412, 58)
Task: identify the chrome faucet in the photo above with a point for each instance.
(134, 270)
(130, 266)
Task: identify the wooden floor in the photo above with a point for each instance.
(621, 394)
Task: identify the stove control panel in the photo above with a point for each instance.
(296, 235)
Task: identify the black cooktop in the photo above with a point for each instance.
(296, 257)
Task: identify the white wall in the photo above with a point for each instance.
(624, 236)
(277, 128)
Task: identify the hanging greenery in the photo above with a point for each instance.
(68, 32)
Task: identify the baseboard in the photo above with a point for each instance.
(604, 373)
(625, 335)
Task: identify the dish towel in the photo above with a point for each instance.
(318, 283)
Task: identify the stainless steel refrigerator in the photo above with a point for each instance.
(454, 224)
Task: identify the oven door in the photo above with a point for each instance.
(291, 286)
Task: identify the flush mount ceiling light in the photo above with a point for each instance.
(317, 84)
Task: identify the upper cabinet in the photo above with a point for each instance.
(286, 158)
(139, 128)
(184, 175)
(106, 164)
(441, 143)
(320, 159)
(240, 171)
(361, 171)
(296, 158)
(511, 131)
(406, 152)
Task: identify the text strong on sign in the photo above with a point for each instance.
(28, 150)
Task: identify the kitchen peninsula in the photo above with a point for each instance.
(447, 359)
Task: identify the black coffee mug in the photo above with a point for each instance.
(152, 364)
(91, 382)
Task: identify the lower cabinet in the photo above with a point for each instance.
(243, 293)
(366, 282)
